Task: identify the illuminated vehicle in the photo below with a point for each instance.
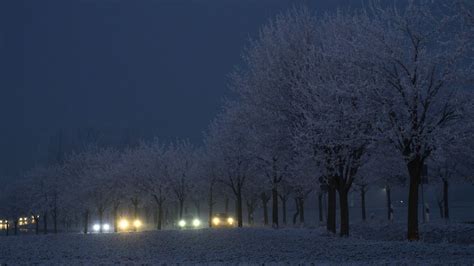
(3, 224)
(189, 222)
(222, 220)
(125, 225)
(105, 227)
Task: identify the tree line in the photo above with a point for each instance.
(326, 103)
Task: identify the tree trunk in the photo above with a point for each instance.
(181, 208)
(226, 206)
(197, 204)
(55, 214)
(275, 206)
(445, 199)
(440, 207)
(297, 213)
(55, 221)
(211, 205)
(389, 203)
(250, 210)
(160, 215)
(135, 210)
(15, 227)
(115, 214)
(36, 219)
(301, 208)
(320, 207)
(283, 208)
(101, 219)
(414, 169)
(265, 209)
(8, 229)
(239, 207)
(344, 208)
(331, 220)
(362, 195)
(45, 222)
(86, 222)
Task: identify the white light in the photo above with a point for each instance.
(96, 227)
(106, 227)
(182, 223)
(196, 222)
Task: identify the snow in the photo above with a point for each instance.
(244, 246)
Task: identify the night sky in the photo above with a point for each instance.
(138, 67)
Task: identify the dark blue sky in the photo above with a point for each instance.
(151, 67)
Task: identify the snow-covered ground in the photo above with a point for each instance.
(382, 244)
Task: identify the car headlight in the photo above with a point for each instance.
(137, 223)
(196, 222)
(216, 221)
(123, 224)
(230, 220)
(106, 227)
(96, 227)
(182, 223)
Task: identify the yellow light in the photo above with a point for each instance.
(230, 220)
(123, 224)
(216, 221)
(137, 223)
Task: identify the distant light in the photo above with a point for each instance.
(216, 221)
(96, 227)
(401, 201)
(196, 222)
(123, 224)
(230, 220)
(182, 223)
(137, 223)
(106, 227)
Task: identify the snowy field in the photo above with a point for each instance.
(247, 246)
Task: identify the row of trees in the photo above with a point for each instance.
(383, 89)
(331, 104)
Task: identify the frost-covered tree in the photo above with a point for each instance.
(228, 141)
(179, 168)
(419, 56)
(152, 174)
(265, 88)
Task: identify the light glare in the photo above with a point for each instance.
(96, 227)
(137, 223)
(123, 224)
